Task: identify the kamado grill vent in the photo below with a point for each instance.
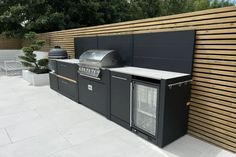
(91, 62)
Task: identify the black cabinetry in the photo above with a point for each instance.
(153, 109)
(94, 93)
(64, 79)
(173, 111)
(68, 88)
(120, 99)
(67, 70)
(53, 81)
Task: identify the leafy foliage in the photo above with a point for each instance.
(20, 16)
(29, 59)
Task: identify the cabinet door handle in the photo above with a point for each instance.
(120, 78)
(131, 105)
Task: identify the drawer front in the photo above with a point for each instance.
(67, 70)
(67, 88)
(53, 81)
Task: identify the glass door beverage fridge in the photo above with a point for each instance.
(144, 108)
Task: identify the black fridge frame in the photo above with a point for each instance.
(135, 128)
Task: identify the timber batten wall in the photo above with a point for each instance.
(10, 43)
(212, 115)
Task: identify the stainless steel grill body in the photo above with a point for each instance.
(91, 62)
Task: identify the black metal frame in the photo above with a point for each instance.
(149, 84)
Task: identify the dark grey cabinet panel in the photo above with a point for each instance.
(67, 70)
(53, 81)
(93, 95)
(173, 110)
(120, 96)
(68, 89)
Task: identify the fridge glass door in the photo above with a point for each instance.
(145, 102)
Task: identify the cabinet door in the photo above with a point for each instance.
(93, 95)
(68, 89)
(53, 81)
(67, 70)
(120, 96)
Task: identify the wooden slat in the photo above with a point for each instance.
(222, 36)
(226, 83)
(76, 33)
(216, 42)
(211, 120)
(203, 104)
(209, 105)
(10, 43)
(213, 100)
(218, 52)
(216, 91)
(220, 57)
(218, 62)
(213, 71)
(219, 47)
(215, 112)
(226, 68)
(174, 25)
(218, 77)
(215, 96)
(217, 31)
(212, 113)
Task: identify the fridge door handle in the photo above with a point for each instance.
(131, 104)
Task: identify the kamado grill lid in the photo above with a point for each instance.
(57, 53)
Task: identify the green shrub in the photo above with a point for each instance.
(29, 58)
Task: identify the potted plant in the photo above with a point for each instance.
(37, 73)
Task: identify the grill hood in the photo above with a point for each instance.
(100, 58)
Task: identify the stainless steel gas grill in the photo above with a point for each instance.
(92, 61)
(94, 78)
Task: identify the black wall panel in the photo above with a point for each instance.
(171, 51)
(85, 43)
(122, 43)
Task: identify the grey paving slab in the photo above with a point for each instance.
(38, 122)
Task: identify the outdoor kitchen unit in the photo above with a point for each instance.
(151, 103)
(94, 78)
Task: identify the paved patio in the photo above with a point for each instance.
(38, 122)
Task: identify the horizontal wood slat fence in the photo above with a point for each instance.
(212, 115)
(10, 43)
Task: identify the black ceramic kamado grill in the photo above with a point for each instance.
(92, 62)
